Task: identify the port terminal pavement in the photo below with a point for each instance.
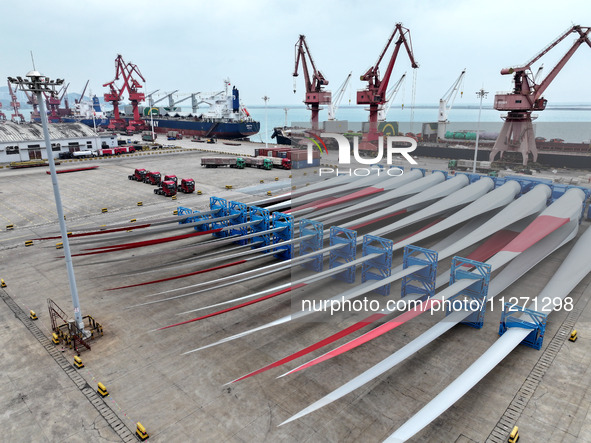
(182, 397)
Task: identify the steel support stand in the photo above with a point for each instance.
(377, 268)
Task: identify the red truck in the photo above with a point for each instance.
(153, 178)
(187, 186)
(281, 163)
(138, 175)
(167, 188)
(124, 150)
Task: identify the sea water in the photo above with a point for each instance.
(570, 122)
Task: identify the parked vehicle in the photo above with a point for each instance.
(167, 188)
(259, 162)
(281, 163)
(187, 186)
(138, 175)
(153, 178)
(216, 162)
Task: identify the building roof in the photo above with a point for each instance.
(13, 132)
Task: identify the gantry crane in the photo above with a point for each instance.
(517, 133)
(390, 96)
(16, 116)
(126, 72)
(374, 94)
(446, 103)
(315, 93)
(334, 106)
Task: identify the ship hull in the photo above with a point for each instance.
(227, 130)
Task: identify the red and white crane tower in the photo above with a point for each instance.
(315, 93)
(374, 94)
(517, 133)
(16, 116)
(125, 72)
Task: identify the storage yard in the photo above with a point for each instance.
(185, 397)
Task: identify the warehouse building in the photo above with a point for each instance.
(22, 142)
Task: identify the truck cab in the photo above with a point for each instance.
(286, 163)
(268, 164)
(138, 175)
(240, 163)
(171, 178)
(153, 178)
(187, 186)
(167, 188)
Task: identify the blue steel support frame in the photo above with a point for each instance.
(285, 221)
(181, 210)
(344, 254)
(220, 206)
(261, 216)
(314, 243)
(240, 211)
(377, 268)
(422, 281)
(445, 173)
(471, 177)
(464, 268)
(536, 321)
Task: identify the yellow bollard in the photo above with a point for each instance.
(32, 315)
(141, 431)
(102, 391)
(2, 283)
(29, 243)
(199, 192)
(269, 193)
(59, 245)
(55, 339)
(573, 336)
(514, 436)
(103, 210)
(175, 212)
(78, 363)
(9, 227)
(140, 203)
(133, 220)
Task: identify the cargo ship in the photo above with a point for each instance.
(226, 118)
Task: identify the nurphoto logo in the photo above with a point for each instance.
(392, 147)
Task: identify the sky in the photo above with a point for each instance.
(193, 45)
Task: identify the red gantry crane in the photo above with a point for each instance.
(315, 93)
(16, 116)
(125, 72)
(517, 133)
(374, 94)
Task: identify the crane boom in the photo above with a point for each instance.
(334, 106)
(375, 93)
(390, 96)
(315, 93)
(446, 103)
